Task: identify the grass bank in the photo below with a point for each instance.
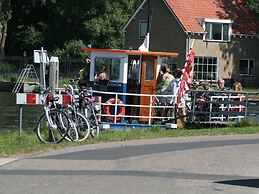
(13, 144)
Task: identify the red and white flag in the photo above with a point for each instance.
(186, 74)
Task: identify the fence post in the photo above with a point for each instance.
(246, 104)
(150, 109)
(228, 107)
(193, 106)
(20, 120)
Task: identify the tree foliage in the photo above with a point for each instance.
(72, 49)
(254, 4)
(55, 24)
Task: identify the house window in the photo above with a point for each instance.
(171, 62)
(246, 67)
(205, 68)
(218, 30)
(142, 29)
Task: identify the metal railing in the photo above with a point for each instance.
(220, 107)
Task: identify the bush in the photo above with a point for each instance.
(72, 50)
(8, 72)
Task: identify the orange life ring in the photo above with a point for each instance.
(107, 109)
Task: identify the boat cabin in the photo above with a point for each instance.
(129, 71)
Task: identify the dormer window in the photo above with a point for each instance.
(217, 30)
(142, 28)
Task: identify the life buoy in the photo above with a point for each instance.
(107, 109)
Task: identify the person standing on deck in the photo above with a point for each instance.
(84, 75)
(165, 80)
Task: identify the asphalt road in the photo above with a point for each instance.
(202, 165)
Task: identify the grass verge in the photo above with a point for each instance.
(12, 144)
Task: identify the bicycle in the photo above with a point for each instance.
(89, 110)
(53, 125)
(81, 122)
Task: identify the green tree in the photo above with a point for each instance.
(72, 49)
(52, 23)
(5, 16)
(254, 4)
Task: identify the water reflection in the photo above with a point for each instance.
(9, 113)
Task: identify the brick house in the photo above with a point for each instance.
(225, 34)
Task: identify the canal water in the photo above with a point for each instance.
(9, 113)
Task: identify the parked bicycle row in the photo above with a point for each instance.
(75, 121)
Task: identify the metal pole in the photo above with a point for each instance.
(42, 68)
(246, 104)
(115, 110)
(20, 120)
(150, 109)
(228, 108)
(193, 106)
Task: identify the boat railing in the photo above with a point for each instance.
(152, 105)
(220, 107)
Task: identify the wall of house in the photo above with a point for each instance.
(246, 48)
(166, 33)
(229, 55)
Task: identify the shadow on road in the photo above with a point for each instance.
(140, 150)
(242, 182)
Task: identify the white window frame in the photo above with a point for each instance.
(218, 21)
(248, 67)
(140, 28)
(207, 64)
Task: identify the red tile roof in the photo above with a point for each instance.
(188, 11)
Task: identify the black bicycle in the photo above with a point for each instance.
(90, 110)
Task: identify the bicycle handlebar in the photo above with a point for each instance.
(43, 88)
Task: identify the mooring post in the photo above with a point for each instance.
(20, 120)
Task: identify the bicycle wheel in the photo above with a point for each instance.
(82, 126)
(72, 134)
(52, 128)
(95, 130)
(89, 113)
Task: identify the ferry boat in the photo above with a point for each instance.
(128, 96)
